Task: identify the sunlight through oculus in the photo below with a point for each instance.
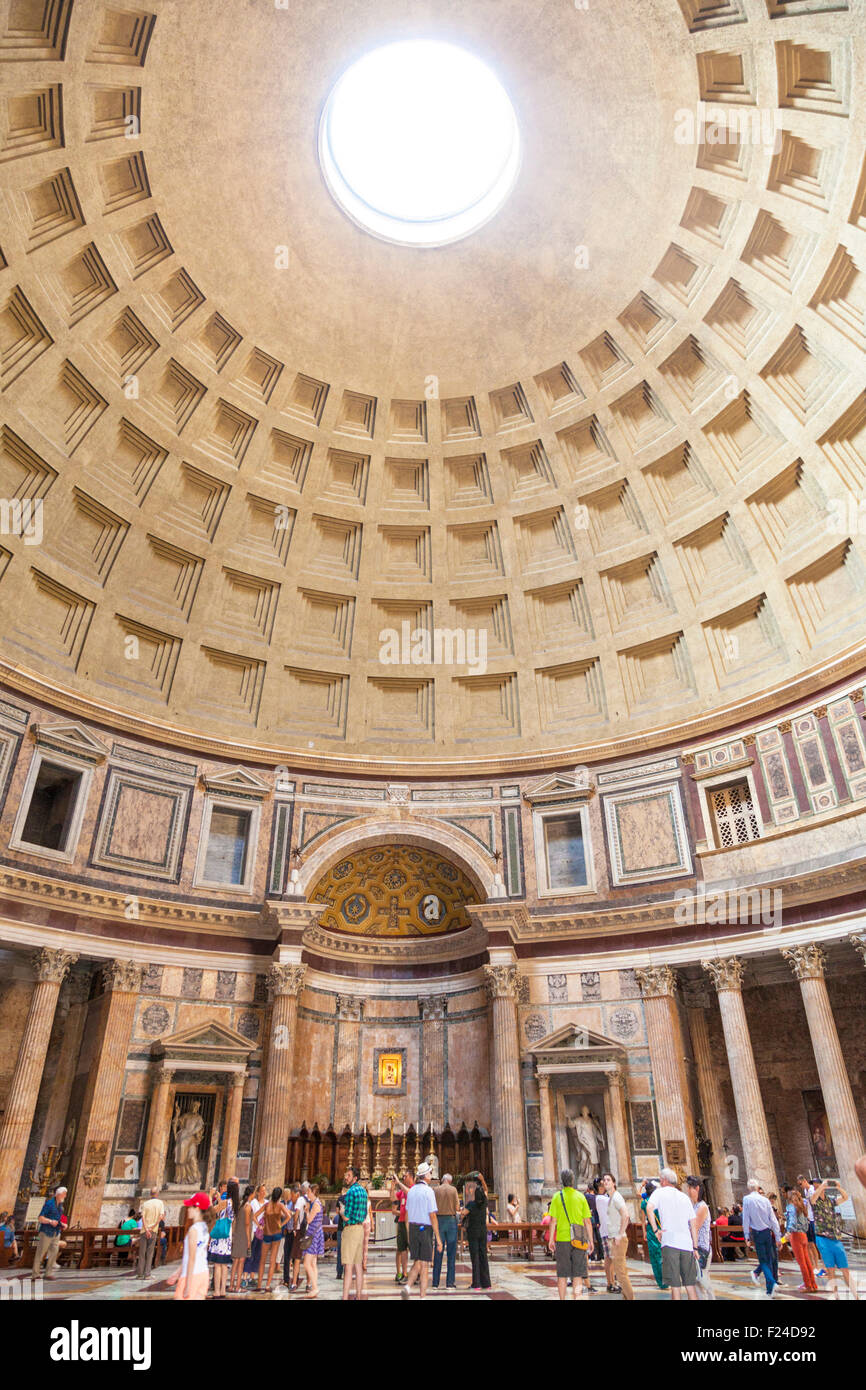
(419, 143)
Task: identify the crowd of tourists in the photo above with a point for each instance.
(237, 1242)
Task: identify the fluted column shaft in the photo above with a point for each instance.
(433, 1011)
(619, 1124)
(233, 1124)
(509, 1142)
(547, 1145)
(667, 1057)
(349, 1014)
(286, 982)
(67, 1062)
(808, 965)
(122, 983)
(748, 1102)
(158, 1128)
(51, 967)
(711, 1098)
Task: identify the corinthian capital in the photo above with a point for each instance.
(858, 941)
(655, 980)
(350, 1008)
(807, 962)
(123, 976)
(52, 965)
(501, 981)
(725, 972)
(286, 979)
(433, 1007)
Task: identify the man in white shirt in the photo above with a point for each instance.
(302, 1202)
(601, 1202)
(672, 1217)
(421, 1214)
(616, 1217)
(152, 1212)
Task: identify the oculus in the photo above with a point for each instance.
(419, 143)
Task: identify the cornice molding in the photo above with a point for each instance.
(79, 898)
(454, 946)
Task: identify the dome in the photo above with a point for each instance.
(585, 478)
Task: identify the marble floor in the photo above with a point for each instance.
(512, 1279)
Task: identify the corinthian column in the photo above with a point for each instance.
(50, 968)
(75, 992)
(350, 1011)
(727, 976)
(509, 1142)
(121, 981)
(433, 1008)
(808, 964)
(285, 983)
(547, 1144)
(233, 1124)
(616, 1091)
(697, 1003)
(158, 1126)
(658, 985)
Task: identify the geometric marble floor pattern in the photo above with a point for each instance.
(519, 1280)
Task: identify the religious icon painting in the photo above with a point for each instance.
(819, 1134)
(390, 1071)
(390, 1068)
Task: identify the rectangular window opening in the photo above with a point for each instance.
(52, 807)
(227, 846)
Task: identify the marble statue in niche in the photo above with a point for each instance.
(188, 1129)
(586, 1145)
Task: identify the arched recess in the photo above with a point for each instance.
(479, 868)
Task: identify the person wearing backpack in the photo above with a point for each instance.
(571, 1236)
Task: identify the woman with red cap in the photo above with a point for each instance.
(192, 1280)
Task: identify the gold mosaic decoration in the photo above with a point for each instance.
(394, 890)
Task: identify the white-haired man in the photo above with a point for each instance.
(761, 1229)
(672, 1217)
(447, 1206)
(50, 1230)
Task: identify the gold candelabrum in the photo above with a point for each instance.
(392, 1117)
(48, 1178)
(403, 1151)
(351, 1158)
(365, 1172)
(377, 1166)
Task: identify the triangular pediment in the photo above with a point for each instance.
(561, 786)
(69, 737)
(203, 1038)
(572, 1037)
(238, 781)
